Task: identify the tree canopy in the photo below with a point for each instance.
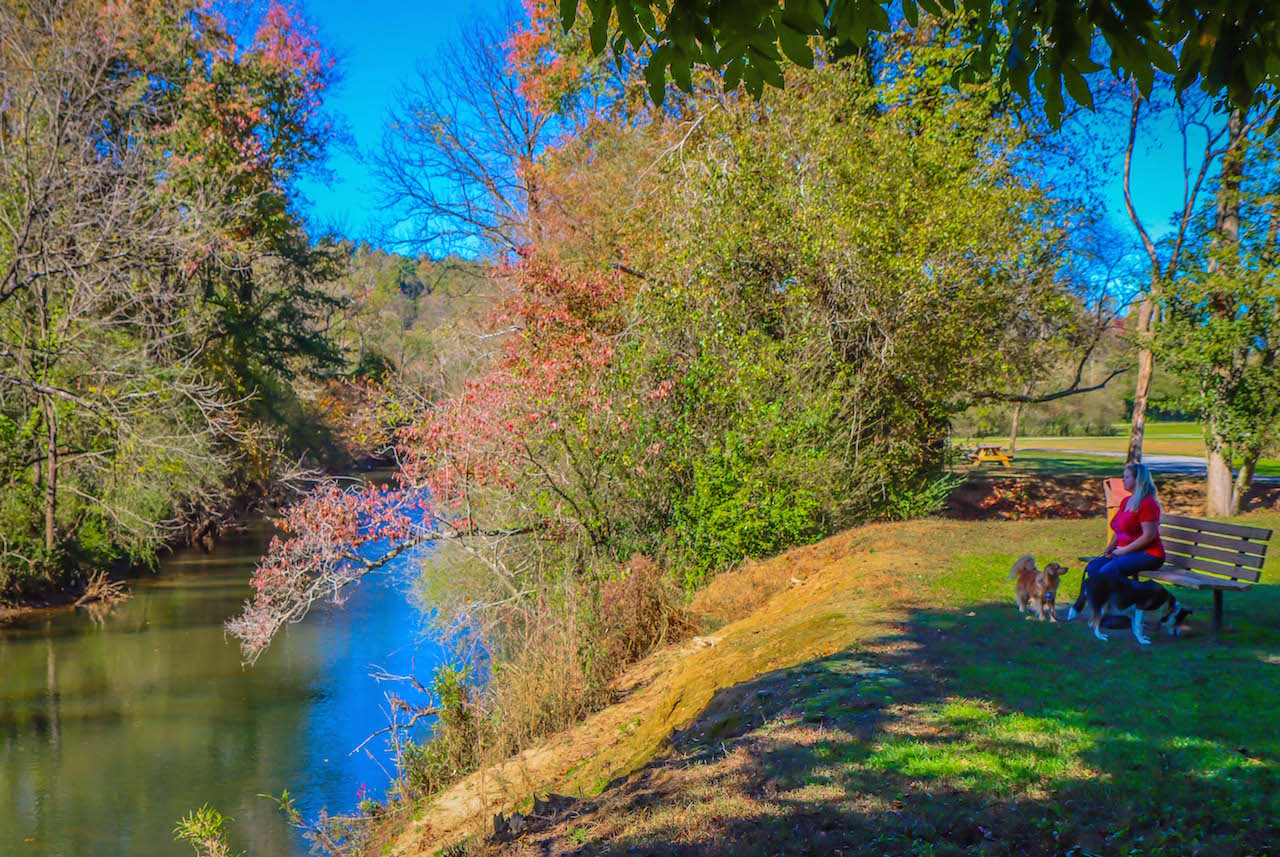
(1232, 47)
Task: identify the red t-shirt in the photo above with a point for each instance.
(1128, 525)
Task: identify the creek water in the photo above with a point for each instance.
(114, 727)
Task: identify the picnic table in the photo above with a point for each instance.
(989, 452)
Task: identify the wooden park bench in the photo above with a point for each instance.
(1210, 555)
(989, 452)
(1203, 554)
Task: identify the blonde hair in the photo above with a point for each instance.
(1143, 486)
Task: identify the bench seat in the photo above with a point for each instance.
(1191, 580)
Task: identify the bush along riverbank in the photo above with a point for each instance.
(254, 482)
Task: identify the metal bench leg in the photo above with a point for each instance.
(1217, 609)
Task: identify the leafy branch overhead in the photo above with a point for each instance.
(1231, 46)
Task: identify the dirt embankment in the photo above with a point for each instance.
(798, 608)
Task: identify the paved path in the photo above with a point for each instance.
(1182, 465)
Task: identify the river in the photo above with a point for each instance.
(112, 729)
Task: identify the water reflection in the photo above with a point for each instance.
(112, 730)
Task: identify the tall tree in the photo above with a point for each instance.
(766, 349)
(1223, 330)
(457, 162)
(1203, 143)
(142, 152)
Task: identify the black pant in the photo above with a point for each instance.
(1123, 565)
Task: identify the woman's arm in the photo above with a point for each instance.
(1111, 545)
(1150, 532)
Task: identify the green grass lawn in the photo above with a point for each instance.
(1032, 462)
(953, 726)
(1194, 431)
(1170, 739)
(1033, 737)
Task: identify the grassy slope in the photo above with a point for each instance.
(893, 701)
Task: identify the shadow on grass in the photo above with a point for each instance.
(973, 732)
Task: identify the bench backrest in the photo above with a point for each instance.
(1228, 550)
(1113, 490)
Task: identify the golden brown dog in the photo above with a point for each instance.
(1035, 588)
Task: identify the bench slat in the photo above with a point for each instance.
(1202, 538)
(1230, 557)
(1191, 580)
(1237, 530)
(1199, 564)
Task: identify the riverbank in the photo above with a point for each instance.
(240, 521)
(879, 686)
(55, 599)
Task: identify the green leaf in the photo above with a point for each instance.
(644, 15)
(771, 72)
(1163, 59)
(753, 81)
(599, 32)
(911, 12)
(568, 13)
(655, 73)
(627, 22)
(795, 45)
(878, 18)
(733, 74)
(1078, 88)
(682, 70)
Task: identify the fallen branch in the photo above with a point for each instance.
(100, 589)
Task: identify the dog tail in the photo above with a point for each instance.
(1026, 561)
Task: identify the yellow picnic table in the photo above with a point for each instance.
(990, 452)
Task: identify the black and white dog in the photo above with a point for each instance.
(1113, 595)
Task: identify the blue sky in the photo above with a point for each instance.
(380, 45)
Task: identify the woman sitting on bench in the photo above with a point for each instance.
(1135, 545)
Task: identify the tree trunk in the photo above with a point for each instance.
(1142, 391)
(51, 479)
(1013, 428)
(1017, 415)
(1218, 495)
(1244, 479)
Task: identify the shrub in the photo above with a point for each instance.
(638, 611)
(735, 511)
(453, 747)
(204, 830)
(555, 662)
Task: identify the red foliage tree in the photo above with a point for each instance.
(470, 464)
